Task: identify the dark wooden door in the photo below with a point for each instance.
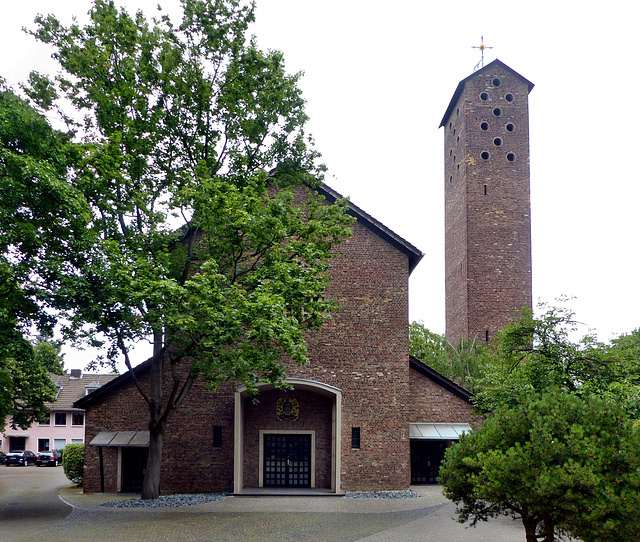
(134, 463)
(287, 460)
(426, 458)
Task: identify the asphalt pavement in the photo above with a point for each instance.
(80, 517)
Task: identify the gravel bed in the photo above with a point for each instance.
(168, 500)
(194, 499)
(409, 494)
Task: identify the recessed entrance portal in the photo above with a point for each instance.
(287, 460)
(277, 449)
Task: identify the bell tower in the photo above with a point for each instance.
(487, 203)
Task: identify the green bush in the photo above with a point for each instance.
(73, 462)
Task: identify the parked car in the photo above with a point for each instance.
(52, 459)
(2, 456)
(20, 458)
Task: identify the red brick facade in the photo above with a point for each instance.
(487, 203)
(359, 376)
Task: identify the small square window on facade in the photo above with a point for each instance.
(43, 445)
(77, 418)
(60, 418)
(217, 436)
(46, 420)
(355, 438)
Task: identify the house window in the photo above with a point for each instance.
(77, 418)
(59, 443)
(77, 441)
(355, 438)
(217, 436)
(60, 418)
(46, 420)
(43, 444)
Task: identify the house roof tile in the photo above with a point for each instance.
(71, 388)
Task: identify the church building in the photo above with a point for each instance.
(363, 415)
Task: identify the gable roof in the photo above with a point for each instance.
(461, 84)
(413, 254)
(375, 226)
(72, 387)
(440, 379)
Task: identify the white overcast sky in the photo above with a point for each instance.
(378, 78)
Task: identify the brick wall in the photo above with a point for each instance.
(431, 403)
(190, 462)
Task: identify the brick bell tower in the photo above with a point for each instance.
(487, 203)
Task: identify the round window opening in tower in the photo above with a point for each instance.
(511, 157)
(510, 127)
(508, 97)
(485, 155)
(484, 126)
(497, 142)
(496, 82)
(497, 112)
(484, 96)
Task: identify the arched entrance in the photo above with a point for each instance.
(290, 438)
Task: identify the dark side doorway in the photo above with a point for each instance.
(426, 458)
(134, 463)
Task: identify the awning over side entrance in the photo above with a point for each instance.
(121, 438)
(438, 431)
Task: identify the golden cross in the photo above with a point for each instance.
(482, 47)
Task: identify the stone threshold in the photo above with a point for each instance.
(285, 492)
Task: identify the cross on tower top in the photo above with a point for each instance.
(482, 47)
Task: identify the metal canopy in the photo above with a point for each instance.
(121, 438)
(438, 431)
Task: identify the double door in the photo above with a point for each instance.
(287, 460)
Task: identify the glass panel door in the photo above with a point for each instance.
(287, 460)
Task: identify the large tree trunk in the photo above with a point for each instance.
(530, 528)
(151, 483)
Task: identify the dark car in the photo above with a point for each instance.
(20, 458)
(52, 459)
(2, 456)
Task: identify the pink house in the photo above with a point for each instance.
(65, 424)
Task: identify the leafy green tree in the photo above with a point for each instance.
(42, 217)
(460, 363)
(539, 353)
(48, 353)
(206, 232)
(565, 465)
(625, 349)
